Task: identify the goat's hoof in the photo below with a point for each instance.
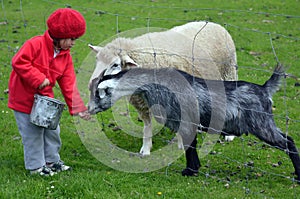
(189, 172)
(229, 138)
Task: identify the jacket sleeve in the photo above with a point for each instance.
(22, 65)
(68, 86)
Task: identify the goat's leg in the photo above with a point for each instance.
(294, 155)
(277, 139)
(192, 160)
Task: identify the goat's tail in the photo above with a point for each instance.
(272, 85)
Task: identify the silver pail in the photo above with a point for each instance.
(46, 112)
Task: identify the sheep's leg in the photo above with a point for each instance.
(179, 141)
(147, 137)
(192, 160)
(277, 139)
(145, 115)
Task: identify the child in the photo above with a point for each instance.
(40, 63)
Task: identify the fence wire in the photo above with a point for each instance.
(9, 47)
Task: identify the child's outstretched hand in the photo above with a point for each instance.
(84, 115)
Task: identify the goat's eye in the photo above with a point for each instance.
(100, 93)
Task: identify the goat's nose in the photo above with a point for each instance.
(90, 107)
(91, 111)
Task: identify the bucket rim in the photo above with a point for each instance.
(49, 99)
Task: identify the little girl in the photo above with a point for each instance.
(40, 63)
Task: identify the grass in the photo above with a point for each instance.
(244, 168)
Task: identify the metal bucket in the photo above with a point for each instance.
(46, 112)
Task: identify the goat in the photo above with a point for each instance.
(232, 107)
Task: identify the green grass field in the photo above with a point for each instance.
(263, 32)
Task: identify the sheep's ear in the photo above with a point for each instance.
(96, 49)
(128, 62)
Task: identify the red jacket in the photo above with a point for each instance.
(31, 65)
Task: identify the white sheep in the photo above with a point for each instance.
(191, 47)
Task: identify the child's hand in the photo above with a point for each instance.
(84, 115)
(45, 83)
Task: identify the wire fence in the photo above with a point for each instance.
(15, 30)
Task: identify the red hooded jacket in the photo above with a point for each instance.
(31, 65)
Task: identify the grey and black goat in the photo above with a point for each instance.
(183, 102)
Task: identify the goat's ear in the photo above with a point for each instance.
(128, 62)
(107, 84)
(96, 49)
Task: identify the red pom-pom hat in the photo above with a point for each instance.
(66, 23)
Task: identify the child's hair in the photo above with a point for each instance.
(55, 42)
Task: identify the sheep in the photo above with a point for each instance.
(186, 102)
(190, 47)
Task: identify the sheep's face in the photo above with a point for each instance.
(111, 59)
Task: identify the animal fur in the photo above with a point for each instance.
(232, 107)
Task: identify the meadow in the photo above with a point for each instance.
(265, 32)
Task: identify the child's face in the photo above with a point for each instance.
(66, 44)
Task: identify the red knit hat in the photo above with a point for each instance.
(66, 23)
